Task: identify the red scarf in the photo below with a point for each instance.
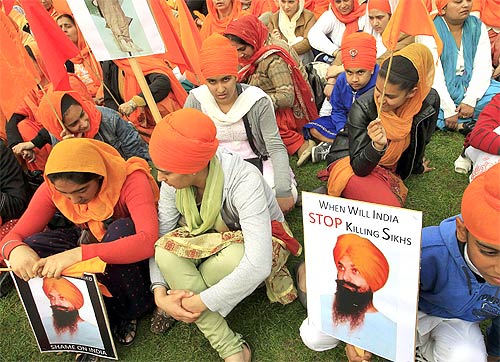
(350, 20)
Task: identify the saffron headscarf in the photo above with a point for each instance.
(64, 287)
(397, 125)
(359, 50)
(481, 206)
(86, 57)
(440, 5)
(382, 5)
(350, 20)
(89, 155)
(212, 23)
(183, 142)
(367, 258)
(50, 115)
(218, 57)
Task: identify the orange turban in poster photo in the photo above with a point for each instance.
(367, 258)
(65, 288)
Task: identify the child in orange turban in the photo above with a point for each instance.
(460, 277)
(359, 53)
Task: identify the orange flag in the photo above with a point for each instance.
(16, 68)
(190, 37)
(175, 53)
(411, 17)
(94, 265)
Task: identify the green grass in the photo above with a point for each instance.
(271, 329)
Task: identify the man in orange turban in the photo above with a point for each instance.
(362, 269)
(66, 325)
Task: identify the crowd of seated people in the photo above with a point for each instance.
(193, 208)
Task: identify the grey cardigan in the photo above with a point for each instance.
(249, 205)
(267, 139)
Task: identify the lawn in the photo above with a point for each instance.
(271, 329)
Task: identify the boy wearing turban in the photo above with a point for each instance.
(359, 55)
(460, 278)
(65, 325)
(362, 270)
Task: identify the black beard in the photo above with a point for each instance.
(350, 305)
(64, 320)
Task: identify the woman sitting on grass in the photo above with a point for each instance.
(225, 247)
(244, 117)
(275, 68)
(112, 203)
(379, 152)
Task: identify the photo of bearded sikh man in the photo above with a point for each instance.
(350, 315)
(65, 325)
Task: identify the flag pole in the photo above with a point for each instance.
(385, 84)
(136, 68)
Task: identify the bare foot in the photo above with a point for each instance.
(244, 356)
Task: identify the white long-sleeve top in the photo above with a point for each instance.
(326, 34)
(481, 73)
(249, 205)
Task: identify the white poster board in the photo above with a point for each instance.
(378, 248)
(116, 29)
(56, 330)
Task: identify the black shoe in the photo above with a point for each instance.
(467, 127)
(6, 284)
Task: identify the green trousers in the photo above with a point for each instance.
(197, 275)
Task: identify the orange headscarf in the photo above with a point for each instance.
(212, 23)
(397, 125)
(382, 5)
(440, 5)
(64, 287)
(359, 50)
(89, 155)
(367, 258)
(183, 142)
(481, 206)
(86, 57)
(150, 64)
(52, 102)
(350, 20)
(218, 57)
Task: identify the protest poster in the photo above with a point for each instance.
(362, 263)
(116, 29)
(67, 314)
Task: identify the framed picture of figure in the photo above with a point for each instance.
(116, 29)
(67, 314)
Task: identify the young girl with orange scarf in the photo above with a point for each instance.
(113, 203)
(379, 152)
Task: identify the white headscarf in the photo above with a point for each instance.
(287, 26)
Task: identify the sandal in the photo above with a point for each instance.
(161, 321)
(125, 330)
(85, 357)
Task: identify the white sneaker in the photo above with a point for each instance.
(462, 165)
(319, 152)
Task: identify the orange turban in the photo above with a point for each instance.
(70, 292)
(218, 57)
(367, 258)
(440, 5)
(481, 206)
(359, 50)
(382, 5)
(183, 142)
